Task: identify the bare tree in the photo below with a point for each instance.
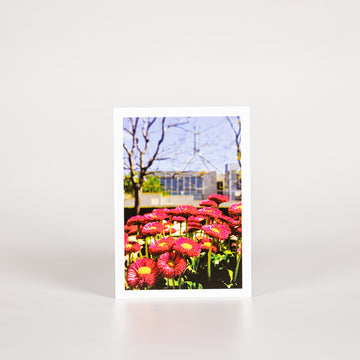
(235, 125)
(144, 148)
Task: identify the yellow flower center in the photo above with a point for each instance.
(207, 244)
(186, 246)
(162, 244)
(171, 264)
(216, 230)
(144, 270)
(128, 246)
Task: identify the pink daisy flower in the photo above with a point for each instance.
(162, 245)
(186, 210)
(187, 247)
(235, 209)
(142, 273)
(153, 228)
(171, 265)
(217, 231)
(218, 198)
(210, 211)
(209, 203)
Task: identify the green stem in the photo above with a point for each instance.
(186, 222)
(209, 261)
(193, 263)
(237, 268)
(173, 283)
(180, 282)
(146, 247)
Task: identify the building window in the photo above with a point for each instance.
(181, 186)
(174, 186)
(186, 183)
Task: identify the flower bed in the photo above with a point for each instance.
(185, 247)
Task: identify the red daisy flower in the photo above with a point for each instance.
(187, 247)
(231, 221)
(186, 210)
(160, 212)
(179, 219)
(210, 211)
(172, 212)
(218, 198)
(136, 220)
(153, 228)
(131, 247)
(194, 225)
(142, 273)
(157, 216)
(197, 218)
(235, 209)
(162, 245)
(171, 265)
(218, 231)
(209, 203)
(131, 230)
(206, 243)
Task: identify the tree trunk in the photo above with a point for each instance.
(137, 189)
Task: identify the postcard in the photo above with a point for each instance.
(182, 202)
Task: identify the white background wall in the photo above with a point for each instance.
(66, 64)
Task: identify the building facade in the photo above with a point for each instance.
(232, 182)
(199, 184)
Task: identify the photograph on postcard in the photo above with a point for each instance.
(182, 202)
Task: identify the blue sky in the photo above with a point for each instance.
(214, 143)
